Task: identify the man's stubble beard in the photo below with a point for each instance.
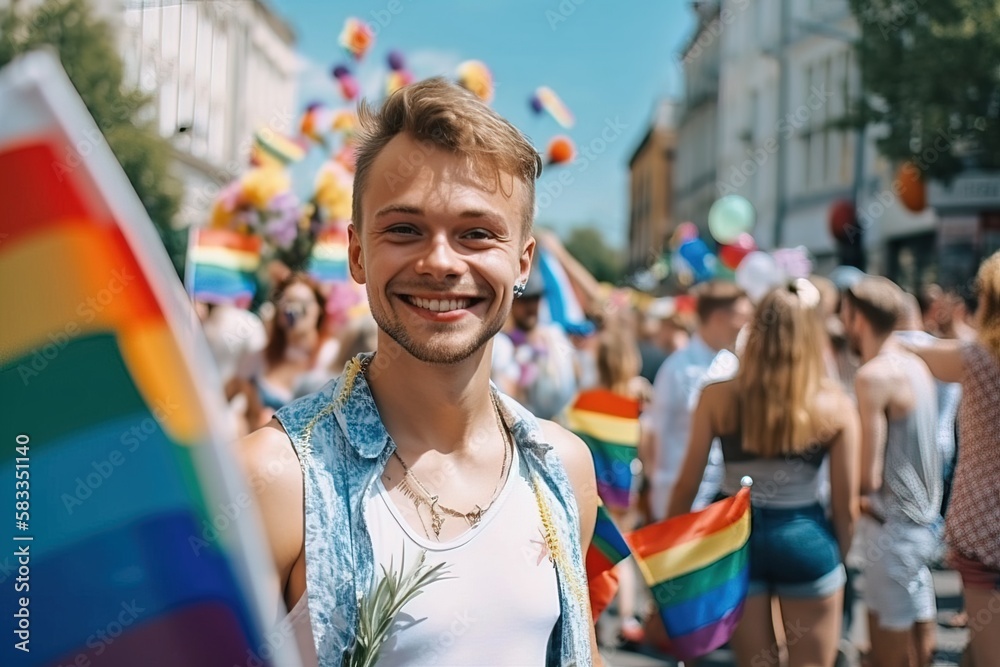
(430, 353)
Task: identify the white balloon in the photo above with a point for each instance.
(758, 274)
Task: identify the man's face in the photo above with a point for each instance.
(524, 312)
(734, 318)
(439, 250)
(850, 319)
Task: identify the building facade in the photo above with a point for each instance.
(767, 84)
(695, 177)
(217, 72)
(651, 174)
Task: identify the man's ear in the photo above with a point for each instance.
(355, 256)
(524, 262)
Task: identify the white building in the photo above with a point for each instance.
(784, 72)
(697, 125)
(217, 71)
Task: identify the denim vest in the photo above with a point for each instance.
(342, 447)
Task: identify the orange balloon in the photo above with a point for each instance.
(561, 150)
(912, 190)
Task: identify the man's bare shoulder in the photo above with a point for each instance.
(275, 476)
(575, 457)
(271, 465)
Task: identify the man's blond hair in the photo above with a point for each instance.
(443, 115)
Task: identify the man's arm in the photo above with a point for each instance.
(699, 445)
(579, 465)
(872, 402)
(275, 478)
(943, 357)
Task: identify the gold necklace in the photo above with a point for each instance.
(421, 496)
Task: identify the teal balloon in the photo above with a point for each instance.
(729, 217)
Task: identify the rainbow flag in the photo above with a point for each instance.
(135, 539)
(609, 424)
(328, 261)
(563, 306)
(221, 266)
(697, 568)
(607, 549)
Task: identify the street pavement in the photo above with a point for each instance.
(950, 641)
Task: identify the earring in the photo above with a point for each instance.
(518, 290)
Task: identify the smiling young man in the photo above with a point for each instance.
(412, 450)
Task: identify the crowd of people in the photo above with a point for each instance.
(866, 417)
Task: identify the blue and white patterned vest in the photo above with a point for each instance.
(342, 447)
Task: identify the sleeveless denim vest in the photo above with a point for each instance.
(342, 447)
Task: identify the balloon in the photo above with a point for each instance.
(758, 274)
(684, 232)
(561, 150)
(729, 217)
(731, 255)
(396, 61)
(793, 262)
(911, 187)
(698, 256)
(356, 37)
(844, 221)
(536, 104)
(341, 70)
(476, 77)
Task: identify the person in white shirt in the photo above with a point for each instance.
(723, 309)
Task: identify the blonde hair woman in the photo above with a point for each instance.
(777, 419)
(972, 524)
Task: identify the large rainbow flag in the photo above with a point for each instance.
(697, 568)
(609, 424)
(221, 265)
(607, 549)
(135, 543)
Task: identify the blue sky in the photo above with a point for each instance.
(608, 63)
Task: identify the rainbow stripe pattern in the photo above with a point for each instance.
(328, 261)
(607, 549)
(555, 106)
(560, 299)
(697, 568)
(221, 266)
(129, 531)
(609, 424)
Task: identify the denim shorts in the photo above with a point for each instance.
(793, 553)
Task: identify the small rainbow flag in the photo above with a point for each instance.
(609, 424)
(549, 101)
(328, 261)
(563, 306)
(697, 567)
(607, 549)
(221, 266)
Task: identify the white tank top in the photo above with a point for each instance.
(501, 603)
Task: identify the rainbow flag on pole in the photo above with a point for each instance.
(607, 549)
(609, 424)
(135, 532)
(221, 266)
(328, 261)
(697, 568)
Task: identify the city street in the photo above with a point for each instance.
(950, 641)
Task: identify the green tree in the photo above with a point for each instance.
(929, 69)
(86, 47)
(587, 245)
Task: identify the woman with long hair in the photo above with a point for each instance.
(297, 346)
(606, 417)
(972, 522)
(778, 419)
